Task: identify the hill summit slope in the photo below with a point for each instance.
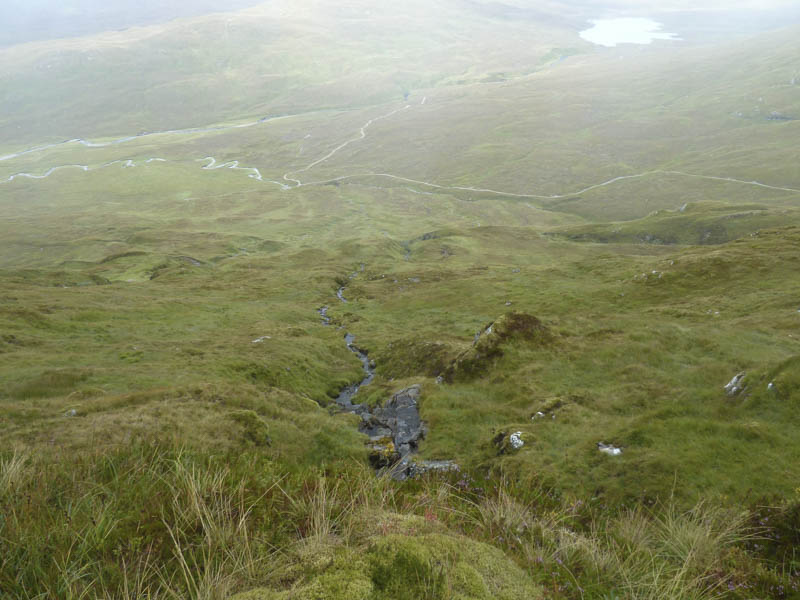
(217, 229)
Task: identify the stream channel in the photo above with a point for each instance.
(395, 429)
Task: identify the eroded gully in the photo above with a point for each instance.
(395, 429)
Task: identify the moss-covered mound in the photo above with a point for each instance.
(399, 567)
(411, 356)
(489, 345)
(784, 380)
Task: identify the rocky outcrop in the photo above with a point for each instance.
(399, 419)
(395, 431)
(508, 444)
(735, 386)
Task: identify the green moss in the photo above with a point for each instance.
(256, 429)
(489, 347)
(440, 566)
(49, 383)
(786, 379)
(398, 567)
(321, 569)
(412, 356)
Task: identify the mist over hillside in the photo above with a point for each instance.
(37, 20)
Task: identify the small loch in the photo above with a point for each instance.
(629, 30)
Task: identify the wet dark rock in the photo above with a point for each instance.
(377, 433)
(419, 468)
(395, 431)
(401, 417)
(408, 468)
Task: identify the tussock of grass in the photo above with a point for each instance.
(49, 383)
(144, 522)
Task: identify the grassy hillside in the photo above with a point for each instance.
(581, 247)
(275, 58)
(699, 223)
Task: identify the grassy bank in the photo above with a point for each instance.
(157, 522)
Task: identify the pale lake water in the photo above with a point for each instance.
(610, 32)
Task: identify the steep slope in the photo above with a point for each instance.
(569, 252)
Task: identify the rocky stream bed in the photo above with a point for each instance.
(395, 429)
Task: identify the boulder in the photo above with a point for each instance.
(420, 468)
(506, 443)
(609, 449)
(383, 454)
(736, 385)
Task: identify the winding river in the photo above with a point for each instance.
(291, 182)
(141, 136)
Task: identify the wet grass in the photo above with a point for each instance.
(160, 523)
(634, 360)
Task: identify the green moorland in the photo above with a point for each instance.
(168, 426)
